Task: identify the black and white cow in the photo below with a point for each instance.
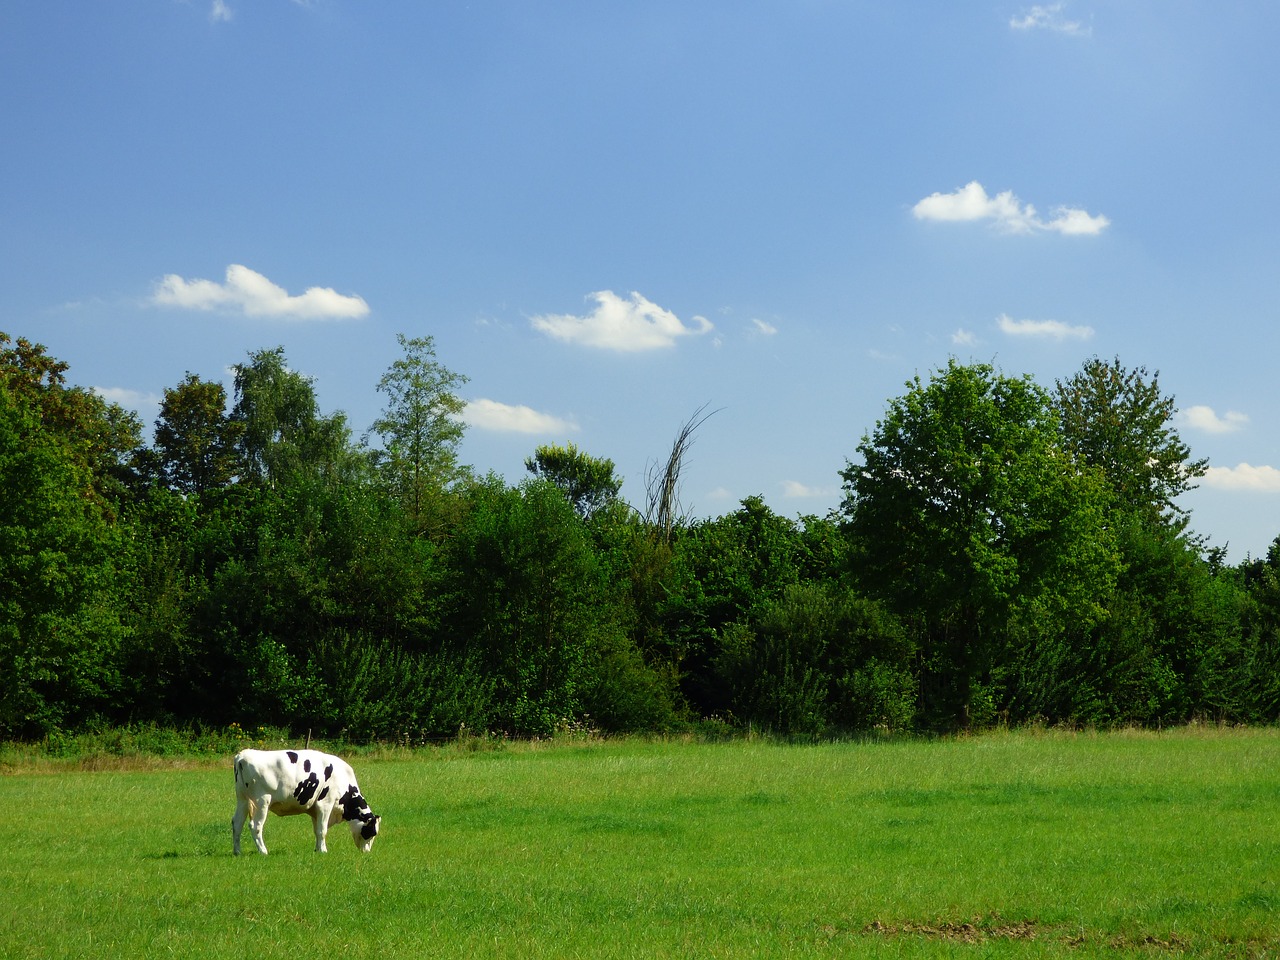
(287, 782)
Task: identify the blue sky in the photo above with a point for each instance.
(609, 215)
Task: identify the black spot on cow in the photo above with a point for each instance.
(293, 757)
(370, 828)
(322, 794)
(306, 789)
(306, 765)
(353, 805)
(328, 772)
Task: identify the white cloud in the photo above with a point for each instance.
(1049, 17)
(764, 329)
(627, 326)
(964, 338)
(971, 202)
(1073, 222)
(131, 399)
(1205, 419)
(1048, 329)
(220, 12)
(794, 488)
(249, 292)
(1243, 477)
(506, 418)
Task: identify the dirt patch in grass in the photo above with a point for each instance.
(983, 929)
(977, 930)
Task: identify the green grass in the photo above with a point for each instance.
(1015, 844)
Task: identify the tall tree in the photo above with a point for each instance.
(420, 427)
(281, 430)
(1119, 421)
(59, 537)
(103, 436)
(587, 481)
(195, 438)
(964, 512)
(529, 599)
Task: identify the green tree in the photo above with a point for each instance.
(964, 513)
(528, 600)
(60, 631)
(101, 435)
(819, 657)
(1120, 422)
(421, 426)
(195, 438)
(587, 481)
(724, 571)
(281, 431)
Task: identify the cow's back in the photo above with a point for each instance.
(260, 772)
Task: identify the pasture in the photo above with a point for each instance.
(1035, 844)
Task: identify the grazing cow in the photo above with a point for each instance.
(287, 782)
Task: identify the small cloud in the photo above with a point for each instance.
(124, 397)
(720, 494)
(764, 329)
(506, 418)
(1243, 477)
(627, 326)
(1047, 329)
(220, 12)
(1073, 222)
(1204, 419)
(794, 489)
(133, 399)
(1006, 211)
(1049, 17)
(249, 292)
(964, 338)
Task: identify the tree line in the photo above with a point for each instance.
(1004, 553)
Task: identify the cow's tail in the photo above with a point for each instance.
(238, 765)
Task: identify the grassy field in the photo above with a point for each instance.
(1008, 844)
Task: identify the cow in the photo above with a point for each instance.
(287, 782)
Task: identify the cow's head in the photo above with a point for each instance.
(364, 822)
(364, 831)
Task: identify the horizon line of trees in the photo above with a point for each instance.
(1004, 553)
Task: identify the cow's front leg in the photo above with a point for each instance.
(321, 824)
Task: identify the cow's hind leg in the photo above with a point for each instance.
(237, 823)
(259, 807)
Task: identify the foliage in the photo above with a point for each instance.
(724, 571)
(60, 630)
(587, 481)
(819, 659)
(420, 427)
(965, 517)
(525, 594)
(1003, 556)
(194, 439)
(281, 431)
(1120, 422)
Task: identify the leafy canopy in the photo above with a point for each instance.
(1118, 421)
(587, 481)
